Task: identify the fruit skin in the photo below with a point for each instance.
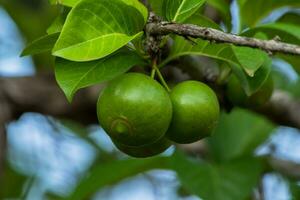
(195, 112)
(134, 110)
(148, 150)
(237, 96)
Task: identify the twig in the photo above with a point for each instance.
(190, 30)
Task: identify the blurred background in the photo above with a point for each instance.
(56, 157)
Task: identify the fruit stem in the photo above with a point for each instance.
(161, 78)
(153, 73)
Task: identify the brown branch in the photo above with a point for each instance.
(42, 94)
(282, 109)
(5, 117)
(190, 30)
(286, 167)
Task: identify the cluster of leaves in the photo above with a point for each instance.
(97, 40)
(92, 39)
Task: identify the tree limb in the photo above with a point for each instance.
(190, 30)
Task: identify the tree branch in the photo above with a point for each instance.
(190, 30)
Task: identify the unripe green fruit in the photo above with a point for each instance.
(237, 95)
(195, 112)
(148, 150)
(134, 110)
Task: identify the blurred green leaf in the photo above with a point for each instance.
(292, 60)
(72, 76)
(253, 11)
(11, 183)
(289, 18)
(287, 32)
(41, 45)
(203, 21)
(105, 26)
(294, 89)
(228, 181)
(58, 22)
(111, 173)
(156, 6)
(233, 137)
(224, 8)
(295, 190)
(180, 10)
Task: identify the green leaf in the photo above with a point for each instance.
(180, 10)
(253, 11)
(58, 23)
(203, 21)
(290, 18)
(41, 45)
(233, 138)
(224, 8)
(244, 61)
(228, 181)
(11, 183)
(69, 3)
(110, 173)
(293, 60)
(294, 189)
(95, 29)
(156, 6)
(71, 76)
(287, 32)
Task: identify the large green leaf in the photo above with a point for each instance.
(110, 173)
(97, 28)
(71, 76)
(233, 138)
(228, 181)
(253, 11)
(41, 45)
(287, 32)
(244, 61)
(180, 10)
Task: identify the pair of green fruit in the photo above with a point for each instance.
(142, 118)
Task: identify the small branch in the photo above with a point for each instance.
(286, 167)
(190, 30)
(283, 109)
(5, 117)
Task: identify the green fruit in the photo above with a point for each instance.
(237, 95)
(134, 110)
(148, 150)
(195, 112)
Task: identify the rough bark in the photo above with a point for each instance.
(191, 30)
